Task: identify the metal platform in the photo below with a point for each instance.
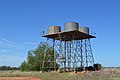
(69, 35)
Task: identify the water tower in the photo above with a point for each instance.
(72, 46)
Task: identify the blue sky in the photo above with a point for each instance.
(22, 21)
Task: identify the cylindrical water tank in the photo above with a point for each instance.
(70, 26)
(54, 29)
(84, 29)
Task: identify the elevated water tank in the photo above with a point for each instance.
(84, 29)
(70, 26)
(54, 29)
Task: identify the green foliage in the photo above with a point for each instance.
(8, 68)
(49, 59)
(97, 66)
(35, 58)
(24, 66)
(91, 68)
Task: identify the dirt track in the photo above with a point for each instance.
(19, 78)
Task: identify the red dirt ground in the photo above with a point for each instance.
(19, 78)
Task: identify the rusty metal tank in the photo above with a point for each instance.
(84, 29)
(70, 26)
(54, 29)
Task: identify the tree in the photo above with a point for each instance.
(24, 66)
(97, 66)
(31, 61)
(35, 58)
(49, 59)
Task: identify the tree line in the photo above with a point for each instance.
(9, 68)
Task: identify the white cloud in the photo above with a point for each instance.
(31, 43)
(11, 60)
(7, 45)
(3, 40)
(3, 51)
(12, 53)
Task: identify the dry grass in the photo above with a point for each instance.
(19, 78)
(105, 74)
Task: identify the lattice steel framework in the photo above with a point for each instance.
(69, 54)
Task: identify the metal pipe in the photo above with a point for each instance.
(54, 46)
(86, 53)
(81, 55)
(65, 56)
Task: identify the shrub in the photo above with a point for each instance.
(97, 66)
